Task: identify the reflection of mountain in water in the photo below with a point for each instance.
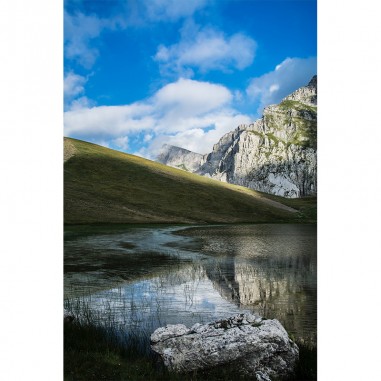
(280, 284)
(222, 275)
(285, 293)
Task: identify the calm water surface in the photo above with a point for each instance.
(145, 277)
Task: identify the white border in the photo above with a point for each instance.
(31, 191)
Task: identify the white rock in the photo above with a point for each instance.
(261, 349)
(170, 331)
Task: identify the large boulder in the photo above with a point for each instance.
(246, 343)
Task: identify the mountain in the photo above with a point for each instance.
(180, 158)
(276, 154)
(106, 186)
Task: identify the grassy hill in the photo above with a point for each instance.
(107, 186)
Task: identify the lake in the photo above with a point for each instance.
(143, 277)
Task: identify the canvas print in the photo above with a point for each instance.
(190, 190)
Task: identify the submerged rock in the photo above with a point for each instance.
(245, 343)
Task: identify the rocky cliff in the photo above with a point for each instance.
(180, 158)
(276, 154)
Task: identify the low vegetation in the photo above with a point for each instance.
(94, 353)
(290, 104)
(272, 137)
(106, 186)
(306, 207)
(183, 167)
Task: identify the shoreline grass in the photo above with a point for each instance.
(99, 348)
(93, 352)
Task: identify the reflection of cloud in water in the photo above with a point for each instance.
(187, 298)
(206, 303)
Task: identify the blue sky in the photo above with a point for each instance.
(141, 73)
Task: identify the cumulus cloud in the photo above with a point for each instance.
(188, 113)
(206, 49)
(111, 121)
(171, 10)
(288, 76)
(186, 98)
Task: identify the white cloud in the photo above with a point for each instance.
(188, 113)
(171, 10)
(187, 97)
(201, 139)
(206, 49)
(274, 88)
(121, 142)
(79, 32)
(147, 138)
(111, 121)
(288, 76)
(74, 88)
(73, 84)
(80, 103)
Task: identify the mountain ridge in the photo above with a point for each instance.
(277, 154)
(181, 158)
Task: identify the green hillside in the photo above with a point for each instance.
(106, 186)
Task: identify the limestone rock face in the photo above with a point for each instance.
(246, 343)
(276, 154)
(306, 94)
(180, 158)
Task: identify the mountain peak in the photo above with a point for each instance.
(306, 94)
(167, 148)
(313, 82)
(179, 158)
